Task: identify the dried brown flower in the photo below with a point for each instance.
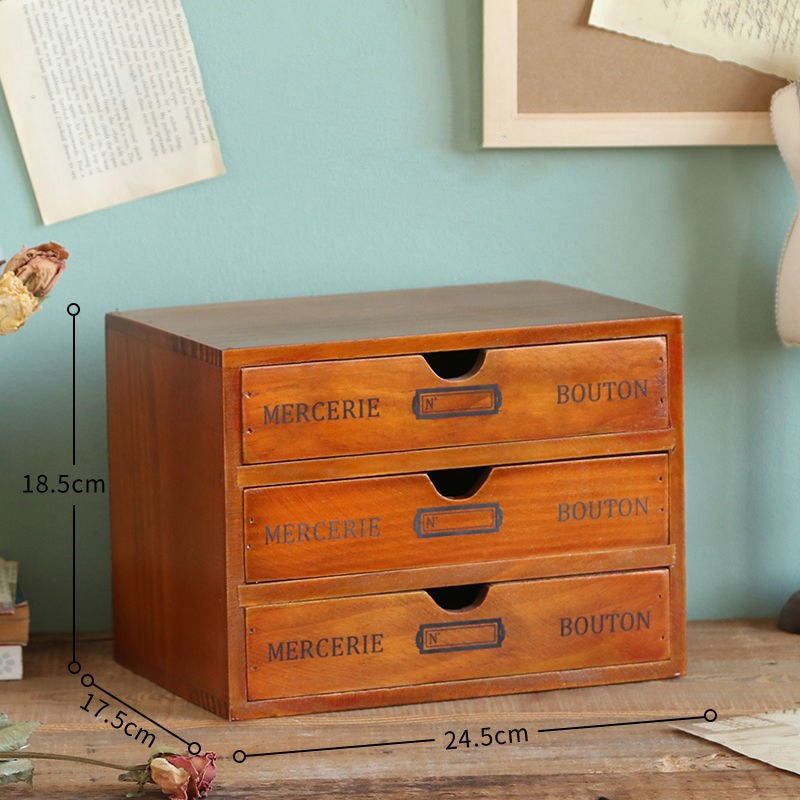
(27, 279)
(38, 267)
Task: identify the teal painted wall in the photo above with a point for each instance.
(351, 131)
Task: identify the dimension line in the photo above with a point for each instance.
(73, 315)
(340, 747)
(74, 629)
(638, 722)
(140, 713)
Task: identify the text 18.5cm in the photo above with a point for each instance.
(64, 484)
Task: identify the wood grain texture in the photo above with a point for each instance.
(398, 580)
(403, 522)
(320, 469)
(389, 404)
(177, 381)
(736, 667)
(389, 640)
(375, 317)
(677, 512)
(167, 517)
(234, 645)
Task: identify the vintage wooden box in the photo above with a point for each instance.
(368, 499)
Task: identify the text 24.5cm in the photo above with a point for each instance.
(461, 740)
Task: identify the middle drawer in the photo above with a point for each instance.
(455, 517)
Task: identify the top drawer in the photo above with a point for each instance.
(373, 405)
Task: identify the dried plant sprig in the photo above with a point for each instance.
(182, 777)
(13, 737)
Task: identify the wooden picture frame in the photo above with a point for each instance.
(728, 104)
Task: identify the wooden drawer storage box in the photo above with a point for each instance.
(336, 502)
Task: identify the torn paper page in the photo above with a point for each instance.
(773, 738)
(107, 100)
(785, 118)
(762, 34)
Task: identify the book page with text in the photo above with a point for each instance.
(762, 34)
(107, 100)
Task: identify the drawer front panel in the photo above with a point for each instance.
(396, 403)
(402, 522)
(388, 640)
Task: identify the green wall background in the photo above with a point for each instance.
(351, 135)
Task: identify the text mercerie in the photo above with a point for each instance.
(326, 647)
(323, 530)
(322, 410)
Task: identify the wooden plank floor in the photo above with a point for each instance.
(736, 667)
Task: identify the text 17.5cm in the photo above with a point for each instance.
(103, 711)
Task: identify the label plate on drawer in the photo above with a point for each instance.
(347, 644)
(448, 637)
(430, 523)
(456, 402)
(335, 408)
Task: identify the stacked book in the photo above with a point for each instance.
(14, 622)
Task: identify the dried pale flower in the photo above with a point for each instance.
(184, 777)
(16, 303)
(27, 279)
(170, 779)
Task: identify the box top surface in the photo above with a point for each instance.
(382, 315)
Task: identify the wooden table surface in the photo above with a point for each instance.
(735, 667)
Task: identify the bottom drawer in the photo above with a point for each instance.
(503, 629)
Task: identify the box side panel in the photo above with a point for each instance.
(677, 495)
(167, 517)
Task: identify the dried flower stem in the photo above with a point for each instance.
(11, 754)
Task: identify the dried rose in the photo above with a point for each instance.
(39, 267)
(26, 280)
(171, 780)
(184, 777)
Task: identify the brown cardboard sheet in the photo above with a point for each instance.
(565, 66)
